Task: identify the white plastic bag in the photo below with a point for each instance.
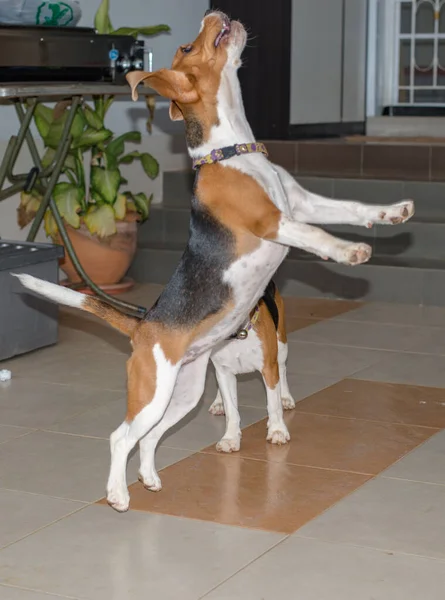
(65, 13)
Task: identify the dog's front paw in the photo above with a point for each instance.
(229, 444)
(217, 408)
(278, 435)
(397, 213)
(151, 482)
(119, 500)
(288, 403)
(355, 254)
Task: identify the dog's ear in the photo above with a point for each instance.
(174, 85)
(175, 112)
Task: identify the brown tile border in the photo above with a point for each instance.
(396, 162)
(338, 445)
(231, 490)
(330, 159)
(387, 159)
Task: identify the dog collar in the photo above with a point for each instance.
(241, 334)
(229, 152)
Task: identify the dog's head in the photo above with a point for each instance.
(198, 72)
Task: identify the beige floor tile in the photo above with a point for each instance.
(36, 404)
(397, 314)
(14, 593)
(9, 433)
(65, 466)
(317, 308)
(194, 432)
(408, 368)
(426, 463)
(98, 554)
(91, 335)
(430, 341)
(361, 335)
(389, 514)
(314, 570)
(25, 513)
(70, 365)
(329, 361)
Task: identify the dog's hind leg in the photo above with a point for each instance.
(277, 432)
(188, 390)
(286, 397)
(228, 388)
(151, 380)
(282, 351)
(217, 407)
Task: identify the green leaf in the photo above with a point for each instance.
(102, 21)
(142, 203)
(80, 175)
(92, 137)
(148, 31)
(43, 117)
(99, 106)
(70, 162)
(48, 158)
(52, 139)
(120, 207)
(117, 146)
(127, 159)
(66, 196)
(50, 225)
(105, 182)
(150, 165)
(108, 102)
(92, 118)
(100, 220)
(123, 180)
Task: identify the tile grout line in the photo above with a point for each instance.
(363, 419)
(13, 490)
(380, 550)
(39, 529)
(244, 567)
(34, 591)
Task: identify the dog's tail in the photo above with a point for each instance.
(63, 295)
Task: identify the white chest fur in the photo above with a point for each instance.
(248, 277)
(240, 356)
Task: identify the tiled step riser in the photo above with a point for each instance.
(375, 283)
(429, 196)
(411, 240)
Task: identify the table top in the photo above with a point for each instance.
(50, 91)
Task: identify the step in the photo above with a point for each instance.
(429, 196)
(384, 279)
(416, 159)
(410, 240)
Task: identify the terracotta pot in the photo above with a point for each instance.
(105, 260)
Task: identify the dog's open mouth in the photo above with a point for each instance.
(225, 32)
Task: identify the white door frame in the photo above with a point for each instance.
(382, 55)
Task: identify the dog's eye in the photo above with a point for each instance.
(187, 49)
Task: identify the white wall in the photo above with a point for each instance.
(166, 142)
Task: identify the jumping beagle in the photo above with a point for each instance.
(246, 213)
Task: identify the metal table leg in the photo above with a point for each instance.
(48, 201)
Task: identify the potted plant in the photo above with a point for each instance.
(99, 211)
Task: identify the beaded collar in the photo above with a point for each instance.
(228, 152)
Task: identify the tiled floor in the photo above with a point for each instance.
(353, 507)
